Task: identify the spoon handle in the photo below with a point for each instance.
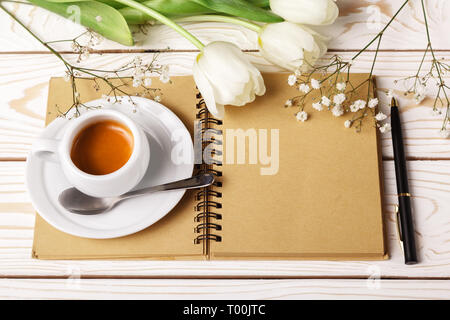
(198, 181)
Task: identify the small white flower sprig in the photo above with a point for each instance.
(416, 85)
(136, 74)
(136, 70)
(336, 93)
(82, 46)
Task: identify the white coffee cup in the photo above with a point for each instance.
(108, 185)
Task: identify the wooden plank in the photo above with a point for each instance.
(429, 182)
(359, 21)
(24, 86)
(222, 289)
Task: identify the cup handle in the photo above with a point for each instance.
(46, 149)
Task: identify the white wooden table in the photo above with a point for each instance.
(25, 68)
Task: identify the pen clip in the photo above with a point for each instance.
(399, 228)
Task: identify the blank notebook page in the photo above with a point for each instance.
(325, 200)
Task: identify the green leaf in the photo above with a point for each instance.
(176, 7)
(111, 3)
(250, 9)
(133, 16)
(261, 3)
(240, 8)
(66, 0)
(170, 8)
(112, 25)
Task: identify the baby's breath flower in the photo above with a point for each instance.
(164, 77)
(337, 111)
(325, 101)
(373, 103)
(75, 46)
(84, 53)
(341, 86)
(339, 99)
(67, 76)
(137, 61)
(304, 88)
(444, 133)
(418, 98)
(380, 116)
(435, 112)
(292, 80)
(138, 69)
(137, 82)
(354, 107)
(157, 98)
(147, 82)
(420, 89)
(302, 116)
(318, 106)
(315, 84)
(298, 73)
(385, 128)
(360, 104)
(288, 103)
(348, 123)
(96, 38)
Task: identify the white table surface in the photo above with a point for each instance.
(25, 69)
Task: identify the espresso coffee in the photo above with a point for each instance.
(102, 147)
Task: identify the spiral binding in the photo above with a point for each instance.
(208, 197)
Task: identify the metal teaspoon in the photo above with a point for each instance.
(77, 202)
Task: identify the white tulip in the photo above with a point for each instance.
(225, 76)
(314, 12)
(291, 46)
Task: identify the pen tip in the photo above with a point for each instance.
(393, 102)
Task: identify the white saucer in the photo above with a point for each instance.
(45, 180)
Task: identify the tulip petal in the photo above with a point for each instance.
(333, 13)
(225, 76)
(260, 88)
(224, 65)
(217, 110)
(287, 44)
(313, 12)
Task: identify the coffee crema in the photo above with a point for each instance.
(102, 147)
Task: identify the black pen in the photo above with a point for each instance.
(406, 225)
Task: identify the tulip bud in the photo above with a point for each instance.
(313, 12)
(291, 46)
(225, 76)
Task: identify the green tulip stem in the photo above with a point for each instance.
(163, 19)
(219, 18)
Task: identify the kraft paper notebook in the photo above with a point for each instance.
(323, 202)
